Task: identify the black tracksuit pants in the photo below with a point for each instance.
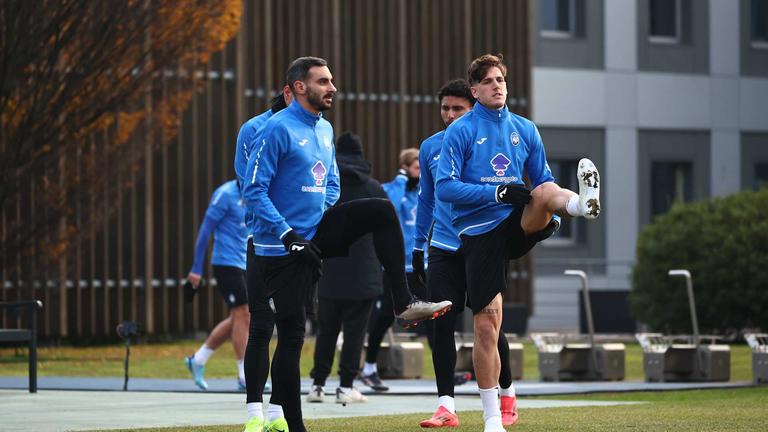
(335, 315)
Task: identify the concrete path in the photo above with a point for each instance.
(397, 387)
(56, 410)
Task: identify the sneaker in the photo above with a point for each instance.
(374, 382)
(460, 378)
(441, 418)
(197, 371)
(316, 394)
(589, 188)
(255, 424)
(350, 396)
(276, 425)
(419, 311)
(241, 384)
(509, 413)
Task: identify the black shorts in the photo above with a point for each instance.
(447, 277)
(230, 282)
(486, 257)
(290, 285)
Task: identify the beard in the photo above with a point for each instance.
(316, 100)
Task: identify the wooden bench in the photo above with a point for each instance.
(28, 335)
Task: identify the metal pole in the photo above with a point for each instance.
(691, 302)
(587, 311)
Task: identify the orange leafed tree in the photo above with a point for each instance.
(74, 69)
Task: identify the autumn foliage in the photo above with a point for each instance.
(82, 74)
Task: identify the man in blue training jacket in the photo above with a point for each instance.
(446, 277)
(225, 220)
(262, 323)
(480, 173)
(291, 184)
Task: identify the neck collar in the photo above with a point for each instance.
(496, 115)
(304, 115)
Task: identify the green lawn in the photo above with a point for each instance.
(164, 360)
(696, 410)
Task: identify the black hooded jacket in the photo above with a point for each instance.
(357, 276)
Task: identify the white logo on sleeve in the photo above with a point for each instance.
(297, 248)
(481, 140)
(436, 157)
(302, 142)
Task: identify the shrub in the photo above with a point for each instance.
(724, 244)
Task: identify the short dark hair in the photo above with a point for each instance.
(299, 69)
(458, 88)
(479, 67)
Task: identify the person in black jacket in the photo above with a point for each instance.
(349, 285)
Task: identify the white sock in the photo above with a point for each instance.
(507, 391)
(369, 368)
(203, 354)
(572, 206)
(241, 369)
(345, 390)
(274, 412)
(490, 399)
(447, 402)
(254, 410)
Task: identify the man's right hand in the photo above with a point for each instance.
(418, 265)
(512, 193)
(302, 248)
(194, 279)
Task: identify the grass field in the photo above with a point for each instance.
(164, 360)
(696, 410)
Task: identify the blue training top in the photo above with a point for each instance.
(481, 150)
(291, 179)
(431, 209)
(224, 218)
(246, 140)
(405, 203)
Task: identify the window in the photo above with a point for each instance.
(665, 21)
(557, 18)
(759, 23)
(761, 176)
(670, 182)
(565, 173)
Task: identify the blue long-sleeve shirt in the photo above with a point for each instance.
(433, 213)
(223, 218)
(291, 178)
(405, 203)
(246, 141)
(481, 150)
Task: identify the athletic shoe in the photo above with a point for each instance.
(276, 425)
(589, 188)
(316, 394)
(374, 382)
(197, 371)
(255, 424)
(419, 311)
(460, 378)
(509, 413)
(241, 384)
(493, 424)
(349, 396)
(441, 418)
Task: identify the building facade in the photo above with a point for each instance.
(668, 97)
